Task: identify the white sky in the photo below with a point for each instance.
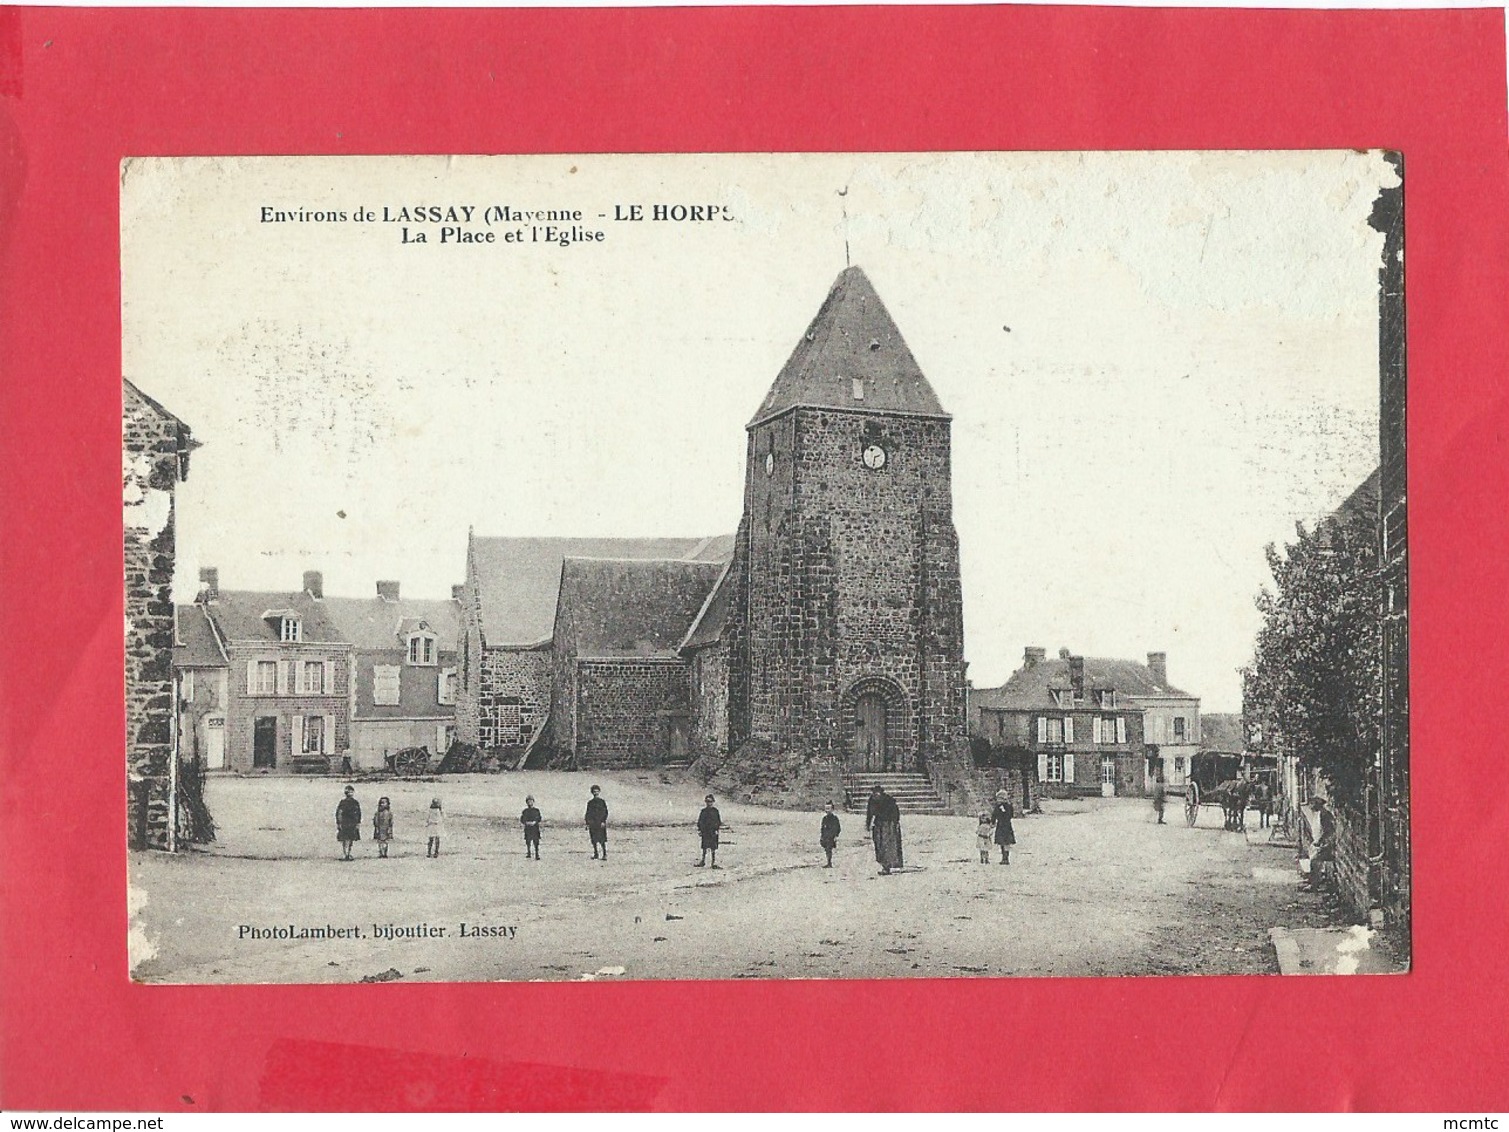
(1191, 366)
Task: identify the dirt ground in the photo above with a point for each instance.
(1094, 888)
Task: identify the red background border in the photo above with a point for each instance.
(81, 88)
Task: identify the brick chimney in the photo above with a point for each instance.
(314, 583)
(1157, 663)
(209, 583)
(458, 591)
(1033, 656)
(1077, 676)
(1063, 654)
(388, 591)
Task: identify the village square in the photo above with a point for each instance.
(757, 752)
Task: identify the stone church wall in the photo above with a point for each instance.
(515, 684)
(709, 700)
(622, 709)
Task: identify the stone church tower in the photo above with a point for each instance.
(845, 620)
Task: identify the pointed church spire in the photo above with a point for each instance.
(852, 357)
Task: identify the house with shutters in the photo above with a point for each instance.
(405, 676)
(1085, 722)
(286, 692)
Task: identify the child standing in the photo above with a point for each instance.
(382, 826)
(709, 822)
(435, 823)
(982, 838)
(597, 822)
(1001, 815)
(531, 821)
(827, 836)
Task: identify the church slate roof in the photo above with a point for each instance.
(707, 629)
(852, 339)
(519, 579)
(630, 607)
(376, 623)
(1030, 688)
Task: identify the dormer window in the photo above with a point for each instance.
(1107, 698)
(1063, 697)
(292, 629)
(421, 649)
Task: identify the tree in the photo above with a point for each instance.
(1315, 685)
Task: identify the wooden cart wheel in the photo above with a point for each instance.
(1192, 803)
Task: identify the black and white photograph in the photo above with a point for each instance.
(798, 566)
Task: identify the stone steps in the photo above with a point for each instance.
(913, 792)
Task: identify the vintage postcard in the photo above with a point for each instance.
(765, 565)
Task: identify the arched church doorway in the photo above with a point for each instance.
(872, 749)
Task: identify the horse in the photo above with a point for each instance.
(1232, 795)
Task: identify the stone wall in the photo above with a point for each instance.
(709, 700)
(1356, 876)
(152, 443)
(514, 686)
(624, 710)
(470, 666)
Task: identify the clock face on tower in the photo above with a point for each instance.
(874, 457)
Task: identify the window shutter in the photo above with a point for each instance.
(1068, 766)
(1068, 729)
(325, 678)
(282, 677)
(298, 735)
(1042, 763)
(251, 677)
(325, 725)
(440, 738)
(1121, 729)
(1042, 729)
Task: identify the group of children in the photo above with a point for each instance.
(995, 827)
(348, 824)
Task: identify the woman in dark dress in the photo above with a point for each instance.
(883, 821)
(1000, 817)
(348, 822)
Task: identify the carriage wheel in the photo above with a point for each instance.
(1192, 804)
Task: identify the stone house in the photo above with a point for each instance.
(1083, 722)
(406, 675)
(155, 447)
(288, 672)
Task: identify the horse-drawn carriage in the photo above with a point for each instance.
(1235, 783)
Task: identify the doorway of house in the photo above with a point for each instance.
(214, 742)
(1108, 776)
(265, 742)
(872, 750)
